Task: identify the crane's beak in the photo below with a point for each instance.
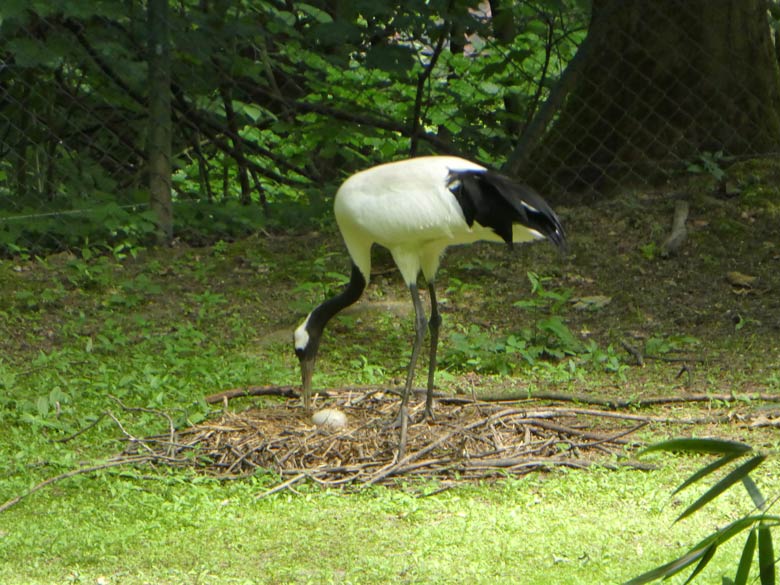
(307, 371)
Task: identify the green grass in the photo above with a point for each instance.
(79, 335)
(594, 527)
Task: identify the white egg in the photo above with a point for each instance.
(329, 418)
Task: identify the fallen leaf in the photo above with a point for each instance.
(591, 303)
(739, 279)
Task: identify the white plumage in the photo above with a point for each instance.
(408, 207)
(416, 208)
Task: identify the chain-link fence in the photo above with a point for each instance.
(658, 88)
(250, 112)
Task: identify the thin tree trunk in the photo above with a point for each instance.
(261, 193)
(160, 120)
(422, 80)
(505, 29)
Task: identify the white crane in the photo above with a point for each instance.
(416, 208)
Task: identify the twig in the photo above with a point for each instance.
(635, 353)
(281, 391)
(615, 403)
(674, 360)
(652, 419)
(520, 395)
(572, 432)
(82, 430)
(394, 466)
(80, 471)
(165, 415)
(685, 369)
(282, 486)
(616, 438)
(441, 489)
(130, 437)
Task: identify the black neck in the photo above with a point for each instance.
(322, 314)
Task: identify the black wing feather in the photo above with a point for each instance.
(495, 201)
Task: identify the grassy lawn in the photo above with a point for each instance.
(97, 347)
(576, 527)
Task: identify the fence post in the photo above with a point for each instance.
(159, 153)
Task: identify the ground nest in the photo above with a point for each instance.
(467, 440)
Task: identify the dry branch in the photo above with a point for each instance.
(115, 462)
(517, 396)
(281, 391)
(282, 486)
(617, 403)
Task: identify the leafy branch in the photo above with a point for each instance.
(758, 525)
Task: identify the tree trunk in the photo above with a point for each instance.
(160, 120)
(505, 29)
(661, 82)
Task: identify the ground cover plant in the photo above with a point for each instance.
(101, 348)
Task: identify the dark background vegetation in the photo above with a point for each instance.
(208, 120)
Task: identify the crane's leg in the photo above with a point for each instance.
(434, 324)
(420, 325)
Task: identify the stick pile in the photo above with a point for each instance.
(466, 441)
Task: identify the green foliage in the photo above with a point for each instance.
(109, 224)
(49, 297)
(658, 346)
(321, 281)
(709, 163)
(758, 526)
(203, 222)
(476, 349)
(542, 298)
(133, 293)
(273, 105)
(90, 270)
(607, 360)
(650, 251)
(369, 373)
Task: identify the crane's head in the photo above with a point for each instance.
(306, 339)
(306, 344)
